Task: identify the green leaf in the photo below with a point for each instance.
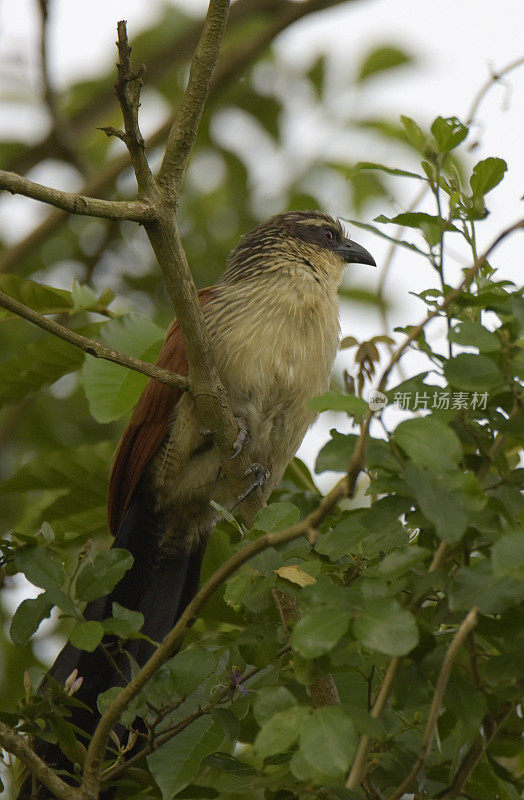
(486, 175)
(449, 132)
(336, 454)
(124, 622)
(87, 635)
(345, 537)
(177, 762)
(270, 700)
(317, 632)
(431, 226)
(328, 741)
(414, 133)
(112, 390)
(333, 401)
(384, 626)
(190, 668)
(472, 372)
(476, 585)
(507, 556)
(280, 732)
(40, 364)
(40, 567)
(473, 334)
(275, 517)
(28, 617)
(98, 577)
(379, 232)
(228, 721)
(399, 562)
(390, 170)
(380, 59)
(417, 437)
(444, 507)
(45, 299)
(465, 702)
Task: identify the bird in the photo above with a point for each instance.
(273, 323)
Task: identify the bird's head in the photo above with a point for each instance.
(296, 240)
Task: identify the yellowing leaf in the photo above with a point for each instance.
(295, 575)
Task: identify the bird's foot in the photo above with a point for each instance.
(243, 438)
(259, 475)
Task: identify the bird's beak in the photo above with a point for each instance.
(354, 253)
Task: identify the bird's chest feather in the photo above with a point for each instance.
(274, 351)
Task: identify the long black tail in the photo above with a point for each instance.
(157, 586)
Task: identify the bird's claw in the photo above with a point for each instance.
(259, 475)
(243, 438)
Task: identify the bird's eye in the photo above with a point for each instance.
(328, 233)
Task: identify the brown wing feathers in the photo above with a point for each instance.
(148, 425)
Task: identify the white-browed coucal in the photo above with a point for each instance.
(274, 329)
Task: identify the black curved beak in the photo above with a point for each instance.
(354, 253)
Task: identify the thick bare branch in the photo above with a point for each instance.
(17, 746)
(75, 203)
(183, 133)
(92, 347)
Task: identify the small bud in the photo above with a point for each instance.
(70, 679)
(131, 741)
(75, 686)
(115, 739)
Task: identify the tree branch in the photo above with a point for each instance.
(92, 347)
(72, 203)
(469, 276)
(239, 60)
(344, 488)
(183, 133)
(17, 746)
(462, 633)
(115, 770)
(359, 766)
(491, 724)
(175, 637)
(128, 86)
(61, 130)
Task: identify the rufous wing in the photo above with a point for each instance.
(148, 425)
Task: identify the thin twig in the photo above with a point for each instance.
(17, 746)
(342, 489)
(462, 633)
(61, 129)
(359, 766)
(114, 771)
(92, 347)
(232, 65)
(176, 636)
(72, 203)
(495, 77)
(491, 724)
(162, 58)
(128, 86)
